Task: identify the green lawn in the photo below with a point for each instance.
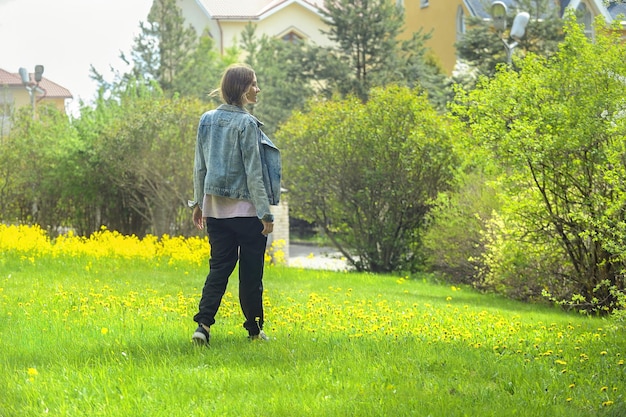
(110, 336)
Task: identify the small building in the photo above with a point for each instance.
(14, 94)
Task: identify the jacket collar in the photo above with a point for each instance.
(237, 109)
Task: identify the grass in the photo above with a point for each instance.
(109, 335)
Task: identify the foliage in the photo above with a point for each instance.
(365, 32)
(556, 129)
(280, 67)
(202, 72)
(164, 46)
(452, 242)
(139, 151)
(115, 339)
(124, 164)
(34, 168)
(368, 173)
(292, 72)
(369, 53)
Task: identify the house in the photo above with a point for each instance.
(14, 94)
(291, 20)
(446, 20)
(300, 20)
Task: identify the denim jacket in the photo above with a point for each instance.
(235, 159)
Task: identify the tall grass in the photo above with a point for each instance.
(106, 333)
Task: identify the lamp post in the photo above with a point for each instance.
(30, 85)
(498, 13)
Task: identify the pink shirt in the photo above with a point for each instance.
(224, 208)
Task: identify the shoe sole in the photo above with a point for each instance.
(199, 339)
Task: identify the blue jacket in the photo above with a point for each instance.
(235, 159)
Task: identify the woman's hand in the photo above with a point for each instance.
(268, 227)
(197, 217)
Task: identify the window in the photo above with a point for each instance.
(292, 37)
(424, 3)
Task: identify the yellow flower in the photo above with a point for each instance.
(607, 403)
(32, 372)
(603, 389)
(104, 330)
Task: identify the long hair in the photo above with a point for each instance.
(235, 82)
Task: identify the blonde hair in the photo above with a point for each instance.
(236, 80)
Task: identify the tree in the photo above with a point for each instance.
(165, 45)
(172, 55)
(368, 173)
(368, 50)
(557, 131)
(140, 149)
(34, 169)
(365, 32)
(282, 75)
(202, 72)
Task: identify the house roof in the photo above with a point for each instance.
(52, 89)
(252, 9)
(477, 7)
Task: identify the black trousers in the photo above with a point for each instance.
(233, 239)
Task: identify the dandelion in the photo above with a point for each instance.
(32, 372)
(603, 389)
(560, 362)
(603, 353)
(607, 403)
(104, 330)
(572, 385)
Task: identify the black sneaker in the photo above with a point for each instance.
(201, 336)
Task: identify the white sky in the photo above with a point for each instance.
(67, 36)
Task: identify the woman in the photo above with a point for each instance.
(236, 177)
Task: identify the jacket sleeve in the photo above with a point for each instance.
(249, 142)
(199, 165)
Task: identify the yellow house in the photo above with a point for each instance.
(291, 20)
(14, 94)
(444, 19)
